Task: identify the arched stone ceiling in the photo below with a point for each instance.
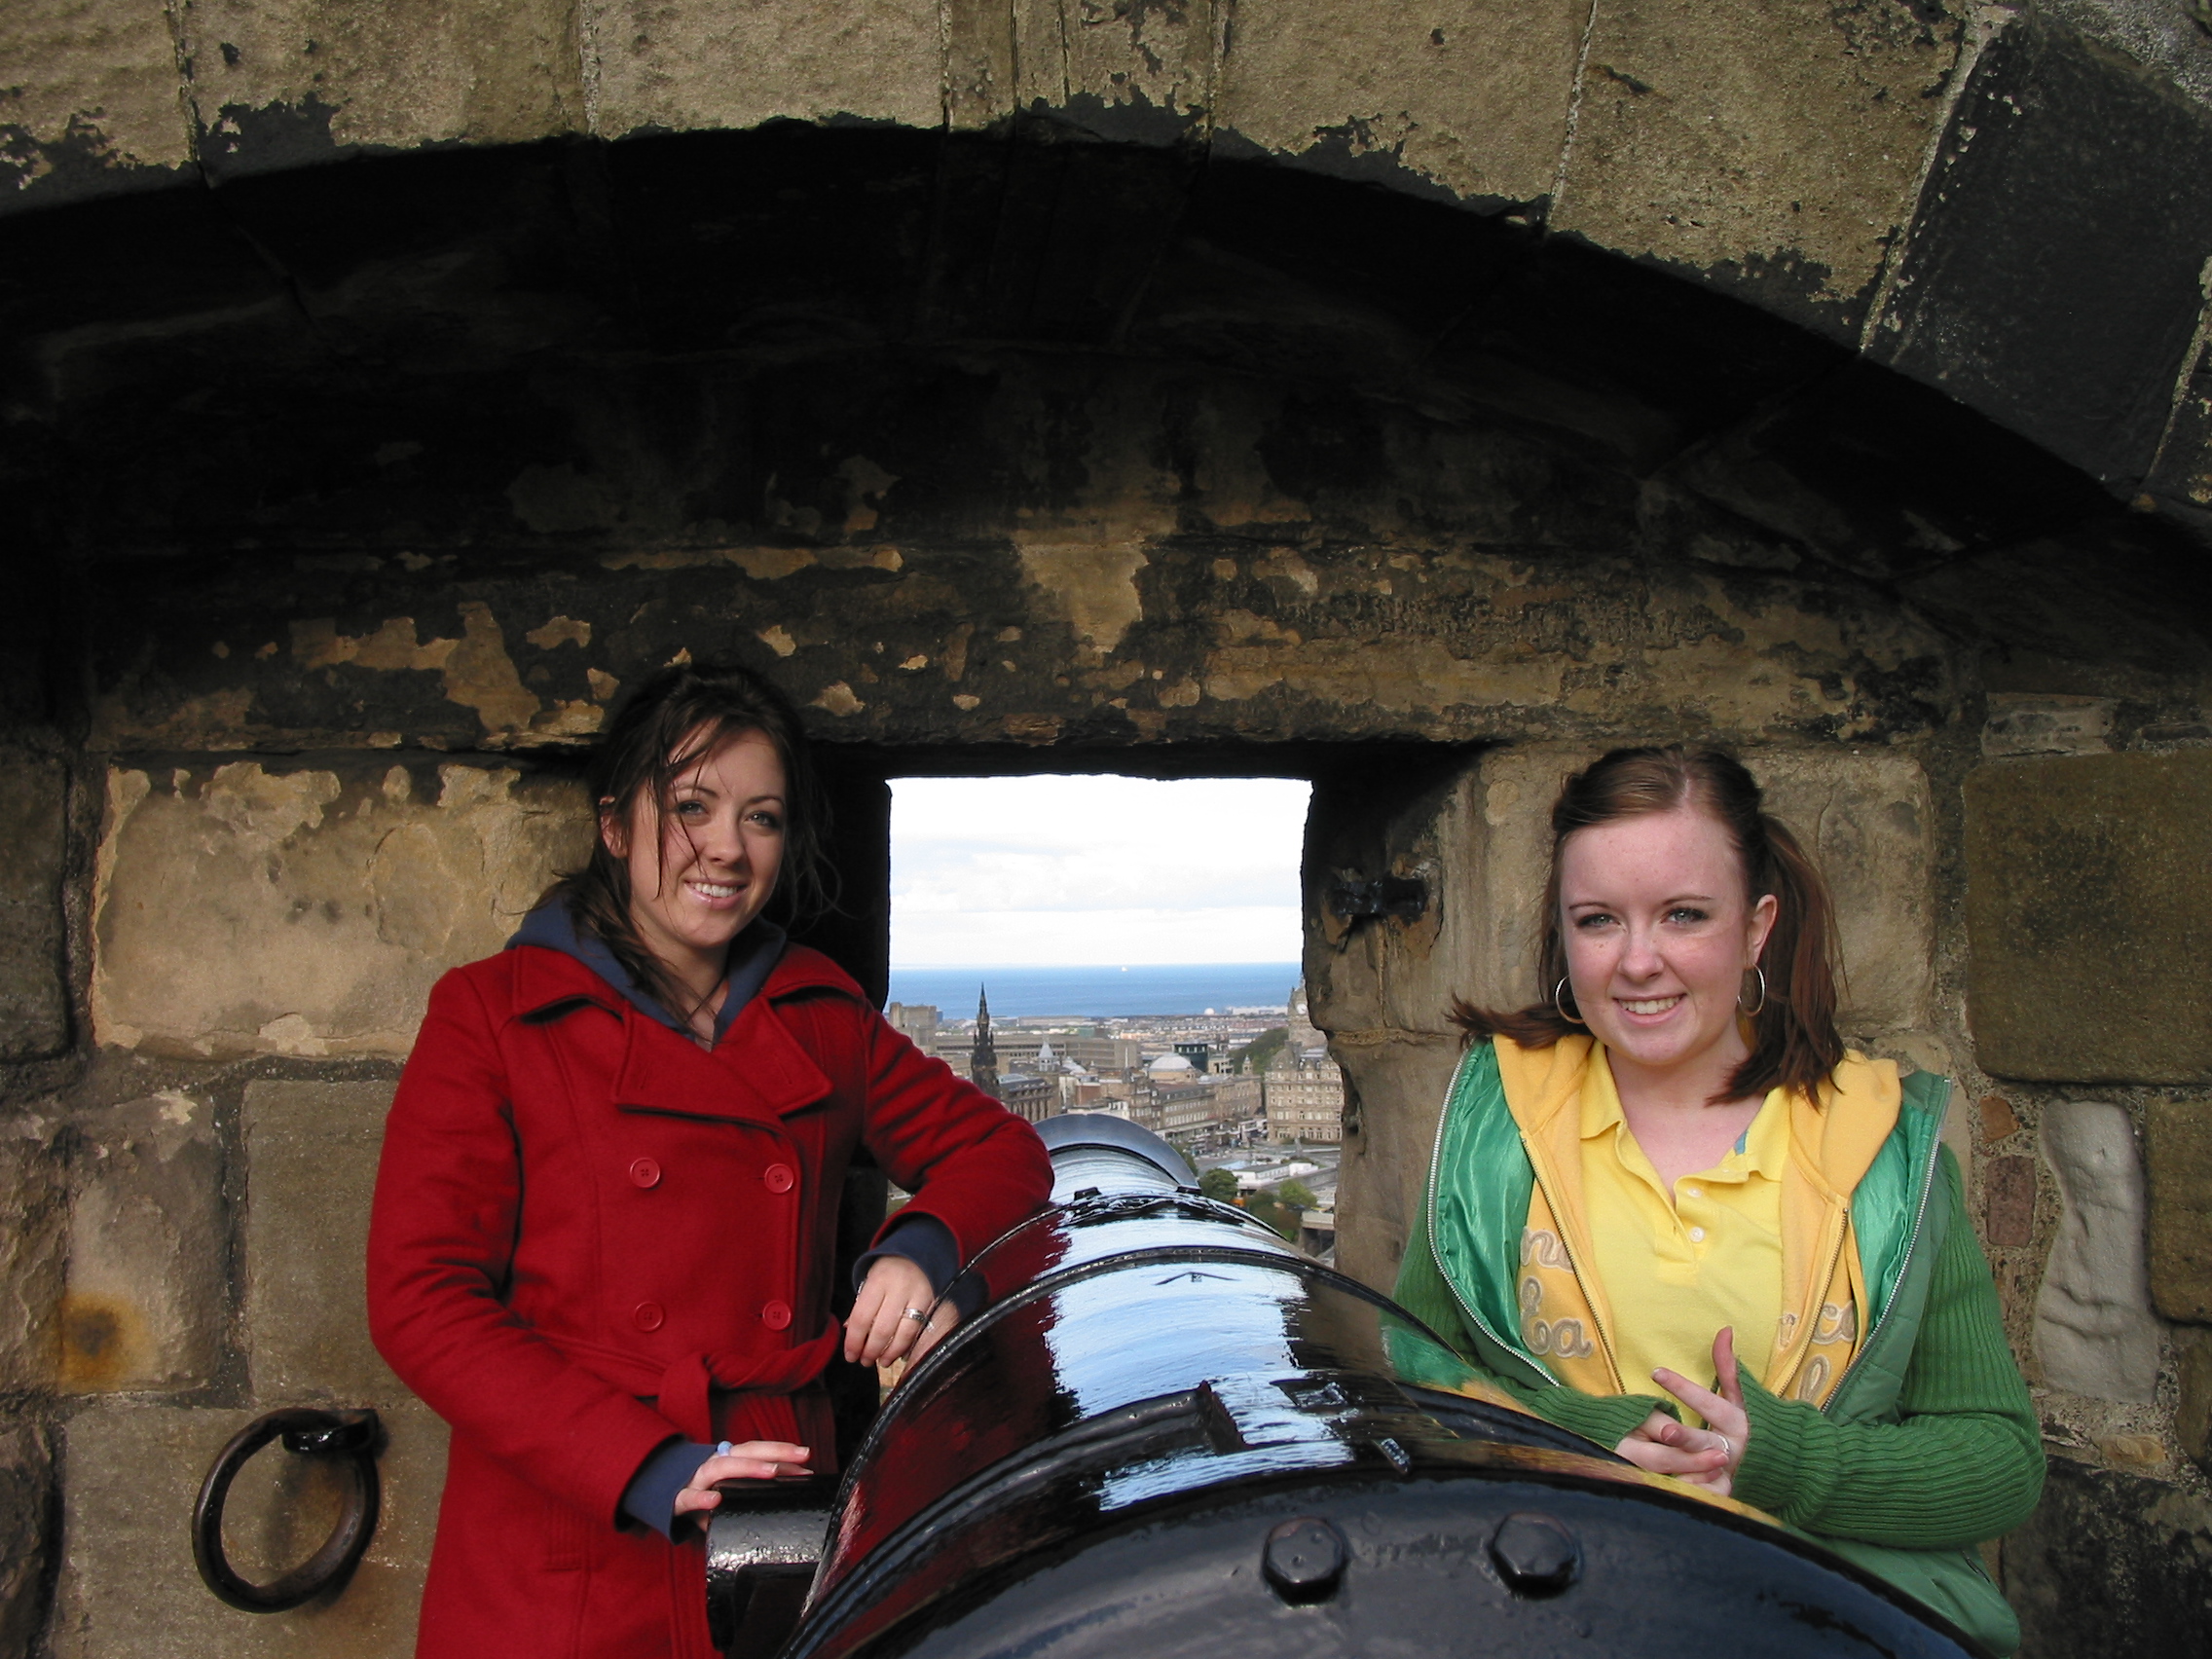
(2007, 204)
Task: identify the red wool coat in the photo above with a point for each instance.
(591, 1234)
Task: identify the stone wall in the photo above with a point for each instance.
(361, 495)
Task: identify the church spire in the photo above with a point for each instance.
(984, 1058)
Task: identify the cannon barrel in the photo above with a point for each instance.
(1174, 1434)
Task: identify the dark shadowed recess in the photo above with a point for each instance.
(372, 351)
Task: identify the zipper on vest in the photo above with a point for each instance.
(1436, 1256)
(1912, 1243)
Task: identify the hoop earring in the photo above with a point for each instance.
(1753, 1012)
(1559, 1007)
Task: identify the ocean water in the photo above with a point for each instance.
(1099, 993)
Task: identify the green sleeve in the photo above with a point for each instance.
(1963, 1464)
(1420, 1291)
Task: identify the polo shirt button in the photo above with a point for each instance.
(777, 1177)
(1697, 1236)
(1693, 1193)
(645, 1172)
(650, 1315)
(776, 1316)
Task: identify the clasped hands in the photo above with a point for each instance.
(1707, 1457)
(877, 1332)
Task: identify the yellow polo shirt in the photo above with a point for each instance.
(1675, 1269)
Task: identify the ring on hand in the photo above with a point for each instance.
(1727, 1450)
(917, 1315)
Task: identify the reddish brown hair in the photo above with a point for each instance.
(672, 720)
(1794, 1040)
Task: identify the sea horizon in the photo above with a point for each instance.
(1091, 992)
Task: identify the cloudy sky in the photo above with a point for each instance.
(1094, 870)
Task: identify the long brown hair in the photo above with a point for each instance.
(667, 725)
(1794, 1040)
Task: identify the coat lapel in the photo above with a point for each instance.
(757, 1072)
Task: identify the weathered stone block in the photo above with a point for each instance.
(1866, 821)
(1125, 71)
(2055, 150)
(2193, 1406)
(128, 1582)
(1999, 1121)
(147, 1304)
(312, 1160)
(296, 81)
(1690, 141)
(2110, 1562)
(2093, 1328)
(27, 1494)
(34, 1223)
(93, 89)
(1471, 96)
(2009, 1192)
(307, 912)
(701, 66)
(2089, 917)
(34, 995)
(2178, 1147)
(2020, 724)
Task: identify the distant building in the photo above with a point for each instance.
(1306, 1102)
(1029, 1096)
(982, 1057)
(1239, 1099)
(1198, 1054)
(1305, 1088)
(1021, 1049)
(918, 1020)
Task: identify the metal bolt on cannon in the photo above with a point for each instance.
(1172, 1434)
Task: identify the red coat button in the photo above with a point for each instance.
(646, 1172)
(776, 1316)
(777, 1177)
(651, 1315)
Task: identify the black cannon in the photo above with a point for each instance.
(1175, 1435)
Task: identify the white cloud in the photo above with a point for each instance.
(1094, 869)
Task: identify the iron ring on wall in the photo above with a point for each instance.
(351, 1435)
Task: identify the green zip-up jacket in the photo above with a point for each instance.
(1927, 1445)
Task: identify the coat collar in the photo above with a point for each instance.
(756, 1072)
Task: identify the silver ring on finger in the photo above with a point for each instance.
(1727, 1449)
(917, 1315)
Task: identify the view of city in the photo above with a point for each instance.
(1128, 945)
(1246, 1090)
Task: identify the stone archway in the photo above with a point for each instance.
(357, 493)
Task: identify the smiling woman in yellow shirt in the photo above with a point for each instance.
(1712, 1258)
(1672, 1212)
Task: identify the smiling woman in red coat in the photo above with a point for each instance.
(605, 1217)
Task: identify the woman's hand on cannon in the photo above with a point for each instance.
(748, 1461)
(897, 1315)
(1707, 1457)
